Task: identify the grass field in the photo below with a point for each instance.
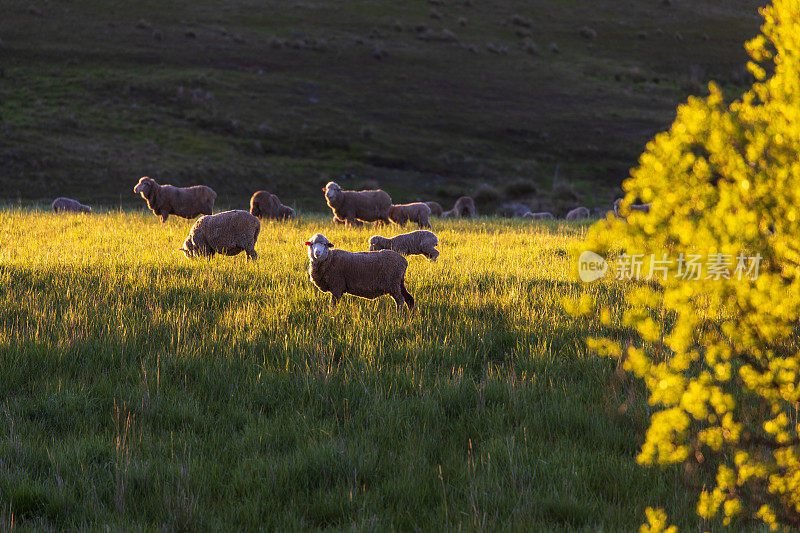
(142, 389)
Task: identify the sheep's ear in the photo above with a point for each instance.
(329, 244)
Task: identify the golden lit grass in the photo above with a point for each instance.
(146, 389)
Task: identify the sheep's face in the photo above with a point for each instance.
(378, 243)
(332, 190)
(318, 247)
(189, 248)
(143, 187)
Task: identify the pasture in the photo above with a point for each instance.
(143, 389)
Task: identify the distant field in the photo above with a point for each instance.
(427, 101)
(142, 389)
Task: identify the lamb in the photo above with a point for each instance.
(539, 216)
(61, 205)
(266, 205)
(436, 208)
(416, 212)
(353, 207)
(579, 213)
(166, 200)
(644, 208)
(363, 274)
(416, 242)
(464, 208)
(227, 233)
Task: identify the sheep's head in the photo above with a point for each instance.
(188, 248)
(318, 247)
(144, 187)
(377, 242)
(332, 191)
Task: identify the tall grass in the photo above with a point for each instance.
(140, 388)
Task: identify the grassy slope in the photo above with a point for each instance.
(96, 94)
(251, 404)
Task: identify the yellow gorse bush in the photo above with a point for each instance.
(719, 349)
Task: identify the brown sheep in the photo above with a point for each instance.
(355, 207)
(464, 208)
(416, 212)
(61, 205)
(416, 242)
(363, 274)
(166, 200)
(227, 233)
(579, 213)
(266, 205)
(436, 208)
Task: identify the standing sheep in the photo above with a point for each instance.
(416, 212)
(266, 205)
(464, 208)
(416, 242)
(643, 208)
(436, 208)
(364, 274)
(353, 207)
(579, 213)
(539, 216)
(62, 205)
(227, 233)
(166, 200)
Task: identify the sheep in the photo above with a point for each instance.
(166, 200)
(61, 205)
(436, 208)
(227, 233)
(579, 213)
(416, 242)
(266, 205)
(363, 274)
(644, 208)
(353, 207)
(416, 212)
(464, 208)
(539, 216)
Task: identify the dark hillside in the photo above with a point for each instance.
(427, 100)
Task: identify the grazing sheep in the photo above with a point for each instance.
(644, 208)
(579, 213)
(266, 205)
(416, 242)
(364, 274)
(355, 207)
(227, 233)
(61, 205)
(416, 212)
(539, 216)
(436, 208)
(166, 200)
(464, 208)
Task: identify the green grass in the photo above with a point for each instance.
(142, 389)
(91, 99)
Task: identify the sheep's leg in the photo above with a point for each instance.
(164, 218)
(407, 296)
(354, 222)
(433, 254)
(334, 299)
(398, 299)
(385, 221)
(251, 254)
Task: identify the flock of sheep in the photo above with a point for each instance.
(378, 272)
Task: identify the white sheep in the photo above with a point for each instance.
(363, 274)
(227, 233)
(579, 213)
(353, 207)
(416, 242)
(417, 212)
(642, 208)
(61, 205)
(539, 216)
